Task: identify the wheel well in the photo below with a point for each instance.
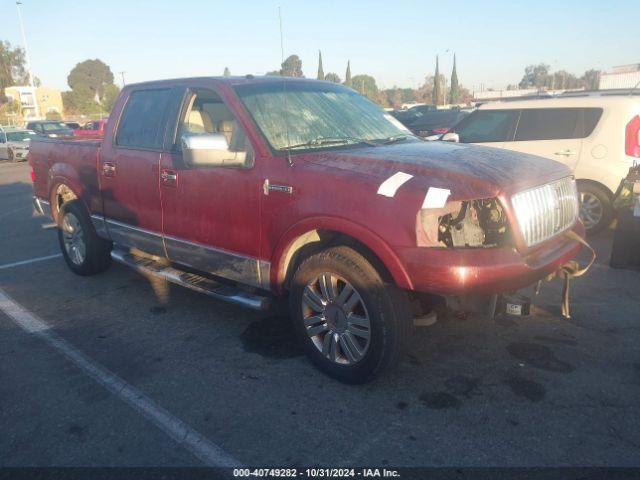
(62, 195)
(315, 241)
(599, 185)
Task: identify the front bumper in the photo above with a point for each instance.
(486, 271)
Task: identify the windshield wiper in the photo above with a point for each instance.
(322, 141)
(394, 139)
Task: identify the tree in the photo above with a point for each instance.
(292, 67)
(110, 95)
(332, 77)
(76, 103)
(347, 77)
(454, 91)
(535, 76)
(320, 70)
(13, 69)
(591, 79)
(226, 73)
(89, 78)
(273, 73)
(436, 85)
(366, 85)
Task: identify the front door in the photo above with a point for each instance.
(211, 215)
(129, 172)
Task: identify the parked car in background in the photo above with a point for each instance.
(435, 122)
(14, 143)
(406, 116)
(205, 183)
(72, 125)
(94, 128)
(596, 135)
(50, 128)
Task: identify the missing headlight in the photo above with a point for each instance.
(478, 223)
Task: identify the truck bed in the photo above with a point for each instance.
(72, 161)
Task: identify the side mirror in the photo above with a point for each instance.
(211, 150)
(451, 137)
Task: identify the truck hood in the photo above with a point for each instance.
(468, 171)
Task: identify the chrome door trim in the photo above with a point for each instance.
(215, 261)
(221, 263)
(129, 236)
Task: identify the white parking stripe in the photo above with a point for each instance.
(210, 454)
(27, 262)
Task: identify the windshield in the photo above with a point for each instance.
(303, 116)
(48, 127)
(19, 136)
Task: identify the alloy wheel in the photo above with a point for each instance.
(336, 319)
(591, 210)
(73, 237)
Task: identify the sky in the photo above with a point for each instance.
(394, 41)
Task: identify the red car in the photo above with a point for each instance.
(91, 129)
(250, 189)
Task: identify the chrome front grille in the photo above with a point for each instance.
(544, 211)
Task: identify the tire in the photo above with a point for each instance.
(83, 250)
(596, 207)
(11, 158)
(359, 296)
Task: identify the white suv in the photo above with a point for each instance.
(597, 135)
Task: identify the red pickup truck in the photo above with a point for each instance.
(250, 189)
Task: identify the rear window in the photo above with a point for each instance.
(549, 124)
(591, 119)
(486, 126)
(557, 123)
(142, 122)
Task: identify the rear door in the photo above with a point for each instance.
(129, 171)
(554, 133)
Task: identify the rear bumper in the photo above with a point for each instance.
(484, 271)
(41, 207)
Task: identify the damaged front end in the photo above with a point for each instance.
(482, 224)
(465, 224)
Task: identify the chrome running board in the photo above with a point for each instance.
(193, 281)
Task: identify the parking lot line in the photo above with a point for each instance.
(31, 260)
(209, 453)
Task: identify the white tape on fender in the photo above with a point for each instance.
(436, 197)
(390, 186)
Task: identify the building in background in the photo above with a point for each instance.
(623, 76)
(36, 103)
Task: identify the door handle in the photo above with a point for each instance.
(169, 177)
(109, 169)
(565, 153)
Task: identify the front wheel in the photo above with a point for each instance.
(83, 250)
(11, 156)
(353, 325)
(596, 208)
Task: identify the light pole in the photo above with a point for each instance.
(27, 59)
(122, 75)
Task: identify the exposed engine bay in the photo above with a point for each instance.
(478, 223)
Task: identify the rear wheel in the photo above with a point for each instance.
(352, 324)
(83, 250)
(596, 208)
(11, 156)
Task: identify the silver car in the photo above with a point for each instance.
(14, 143)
